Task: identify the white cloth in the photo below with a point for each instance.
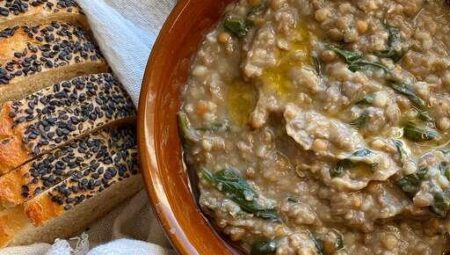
(125, 31)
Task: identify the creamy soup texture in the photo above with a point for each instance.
(322, 126)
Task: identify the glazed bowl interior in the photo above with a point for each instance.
(161, 154)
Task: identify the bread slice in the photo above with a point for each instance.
(54, 116)
(33, 178)
(34, 12)
(68, 208)
(32, 58)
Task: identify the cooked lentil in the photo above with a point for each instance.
(322, 126)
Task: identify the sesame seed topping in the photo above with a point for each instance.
(53, 116)
(17, 7)
(55, 45)
(90, 154)
(84, 185)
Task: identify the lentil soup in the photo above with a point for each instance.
(322, 126)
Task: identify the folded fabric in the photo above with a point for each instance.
(127, 247)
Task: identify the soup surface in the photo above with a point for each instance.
(322, 126)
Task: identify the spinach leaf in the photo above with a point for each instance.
(395, 55)
(394, 42)
(339, 244)
(363, 64)
(410, 184)
(362, 153)
(444, 168)
(404, 89)
(355, 60)
(400, 149)
(236, 26)
(341, 167)
(368, 100)
(318, 66)
(239, 191)
(348, 56)
(264, 247)
(419, 134)
(347, 164)
(318, 243)
(292, 200)
(441, 203)
(361, 121)
(446, 151)
(186, 130)
(420, 105)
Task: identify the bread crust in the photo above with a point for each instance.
(39, 175)
(11, 221)
(67, 196)
(34, 57)
(37, 12)
(53, 117)
(16, 227)
(11, 147)
(42, 210)
(11, 186)
(87, 183)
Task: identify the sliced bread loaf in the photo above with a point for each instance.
(55, 116)
(34, 12)
(32, 58)
(67, 208)
(35, 177)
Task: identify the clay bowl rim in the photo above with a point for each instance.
(148, 141)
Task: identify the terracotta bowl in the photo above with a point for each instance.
(161, 155)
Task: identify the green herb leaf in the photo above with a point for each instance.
(355, 60)
(395, 55)
(292, 200)
(362, 153)
(348, 56)
(410, 184)
(361, 121)
(238, 190)
(318, 66)
(186, 130)
(400, 149)
(339, 245)
(366, 100)
(406, 90)
(341, 167)
(418, 134)
(362, 64)
(394, 42)
(444, 168)
(446, 151)
(236, 26)
(420, 105)
(264, 247)
(441, 203)
(347, 164)
(318, 243)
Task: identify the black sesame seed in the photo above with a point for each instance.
(4, 12)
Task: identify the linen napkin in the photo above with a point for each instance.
(125, 31)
